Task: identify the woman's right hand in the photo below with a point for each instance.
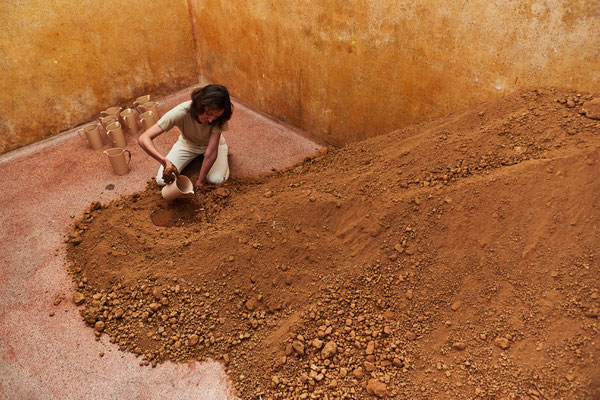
(170, 172)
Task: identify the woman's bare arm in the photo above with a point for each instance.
(209, 157)
(145, 142)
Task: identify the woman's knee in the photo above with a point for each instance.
(159, 177)
(216, 179)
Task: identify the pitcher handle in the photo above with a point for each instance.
(80, 132)
(128, 152)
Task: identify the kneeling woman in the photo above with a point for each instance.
(201, 121)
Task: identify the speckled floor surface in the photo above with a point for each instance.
(46, 185)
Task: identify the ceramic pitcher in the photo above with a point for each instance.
(181, 186)
(149, 106)
(148, 119)
(129, 120)
(118, 161)
(115, 133)
(105, 121)
(141, 100)
(92, 133)
(111, 111)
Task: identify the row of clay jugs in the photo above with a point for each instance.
(109, 119)
(114, 130)
(116, 155)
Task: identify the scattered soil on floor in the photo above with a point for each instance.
(453, 259)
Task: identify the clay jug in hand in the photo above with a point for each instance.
(181, 186)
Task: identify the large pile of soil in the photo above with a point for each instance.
(453, 259)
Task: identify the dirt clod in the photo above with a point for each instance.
(459, 346)
(501, 342)
(378, 388)
(456, 306)
(78, 298)
(99, 326)
(329, 350)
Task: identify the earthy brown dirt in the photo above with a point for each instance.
(454, 259)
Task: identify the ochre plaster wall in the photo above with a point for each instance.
(64, 61)
(348, 69)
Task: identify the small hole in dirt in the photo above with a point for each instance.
(162, 218)
(181, 212)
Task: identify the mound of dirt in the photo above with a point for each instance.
(456, 258)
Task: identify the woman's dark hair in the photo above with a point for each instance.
(212, 97)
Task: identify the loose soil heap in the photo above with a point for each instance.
(453, 259)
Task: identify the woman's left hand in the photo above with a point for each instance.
(201, 187)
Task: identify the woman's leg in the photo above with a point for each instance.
(219, 172)
(180, 155)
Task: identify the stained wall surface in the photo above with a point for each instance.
(64, 61)
(349, 69)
